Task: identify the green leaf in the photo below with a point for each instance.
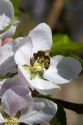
(16, 7)
(62, 44)
(60, 117)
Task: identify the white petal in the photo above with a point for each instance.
(42, 86)
(14, 101)
(10, 32)
(43, 114)
(2, 120)
(7, 63)
(8, 66)
(24, 53)
(5, 52)
(63, 69)
(17, 43)
(6, 13)
(41, 37)
(12, 83)
(55, 60)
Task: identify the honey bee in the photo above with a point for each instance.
(43, 57)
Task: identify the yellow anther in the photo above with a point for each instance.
(37, 66)
(11, 121)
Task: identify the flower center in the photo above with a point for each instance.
(41, 60)
(39, 63)
(11, 121)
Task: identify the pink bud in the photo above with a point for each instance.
(6, 40)
(0, 42)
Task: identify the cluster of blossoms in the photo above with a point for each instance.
(26, 66)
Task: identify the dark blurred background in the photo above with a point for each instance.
(65, 16)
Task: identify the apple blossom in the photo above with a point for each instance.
(17, 99)
(37, 68)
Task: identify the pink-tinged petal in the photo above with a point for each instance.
(41, 37)
(41, 85)
(2, 120)
(43, 111)
(0, 42)
(18, 86)
(62, 69)
(13, 101)
(24, 93)
(24, 53)
(12, 83)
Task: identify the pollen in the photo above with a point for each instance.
(11, 121)
(38, 66)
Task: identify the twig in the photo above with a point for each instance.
(55, 13)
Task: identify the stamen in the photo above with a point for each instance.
(11, 121)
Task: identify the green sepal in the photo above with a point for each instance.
(8, 75)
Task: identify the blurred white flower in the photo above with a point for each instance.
(7, 63)
(37, 68)
(17, 99)
(6, 13)
(7, 26)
